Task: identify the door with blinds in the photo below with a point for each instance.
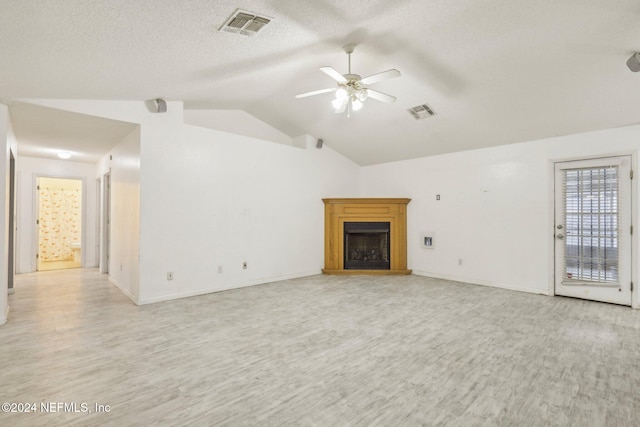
(593, 229)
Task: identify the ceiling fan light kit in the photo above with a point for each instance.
(352, 90)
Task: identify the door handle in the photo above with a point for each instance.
(559, 236)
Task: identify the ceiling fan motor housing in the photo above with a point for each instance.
(352, 78)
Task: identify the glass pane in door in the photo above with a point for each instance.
(591, 218)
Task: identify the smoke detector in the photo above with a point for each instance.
(421, 112)
(245, 23)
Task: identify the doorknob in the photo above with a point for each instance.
(559, 236)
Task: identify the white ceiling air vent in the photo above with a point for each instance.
(421, 111)
(246, 23)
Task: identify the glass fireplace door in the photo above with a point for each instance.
(366, 246)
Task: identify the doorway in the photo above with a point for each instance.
(593, 229)
(59, 223)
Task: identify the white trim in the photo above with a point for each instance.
(151, 300)
(551, 242)
(634, 239)
(124, 290)
(97, 226)
(83, 225)
(36, 210)
(18, 241)
(5, 316)
(593, 157)
(480, 282)
(104, 235)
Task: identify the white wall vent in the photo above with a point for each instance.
(245, 23)
(421, 111)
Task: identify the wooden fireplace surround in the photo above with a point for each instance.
(339, 211)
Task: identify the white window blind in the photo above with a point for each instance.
(591, 218)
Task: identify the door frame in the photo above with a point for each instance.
(105, 221)
(35, 241)
(634, 218)
(12, 221)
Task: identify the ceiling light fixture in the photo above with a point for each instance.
(350, 94)
(64, 154)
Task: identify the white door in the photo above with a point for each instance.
(593, 229)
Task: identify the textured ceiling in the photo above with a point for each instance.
(495, 72)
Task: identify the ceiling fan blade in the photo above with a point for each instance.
(331, 72)
(380, 96)
(315, 92)
(385, 75)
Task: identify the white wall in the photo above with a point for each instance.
(123, 163)
(28, 168)
(238, 122)
(4, 213)
(7, 145)
(211, 198)
(495, 211)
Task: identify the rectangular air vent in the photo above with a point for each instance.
(245, 23)
(421, 112)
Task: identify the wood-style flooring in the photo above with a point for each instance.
(57, 265)
(318, 351)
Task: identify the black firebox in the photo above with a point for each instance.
(366, 246)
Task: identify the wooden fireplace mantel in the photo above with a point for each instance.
(339, 211)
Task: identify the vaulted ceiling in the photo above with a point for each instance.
(495, 72)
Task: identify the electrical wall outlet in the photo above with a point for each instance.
(244, 265)
(219, 269)
(170, 275)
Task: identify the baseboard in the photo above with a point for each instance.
(11, 291)
(5, 316)
(488, 283)
(124, 290)
(178, 295)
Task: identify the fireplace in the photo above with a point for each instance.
(365, 236)
(366, 245)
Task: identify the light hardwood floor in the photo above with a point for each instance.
(319, 351)
(57, 265)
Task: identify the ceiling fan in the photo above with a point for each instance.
(352, 90)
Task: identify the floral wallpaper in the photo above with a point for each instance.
(60, 223)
